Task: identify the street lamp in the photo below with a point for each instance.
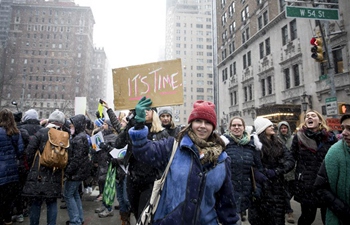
(305, 103)
(252, 112)
(15, 103)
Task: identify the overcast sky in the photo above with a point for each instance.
(131, 32)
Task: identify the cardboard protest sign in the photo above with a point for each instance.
(160, 81)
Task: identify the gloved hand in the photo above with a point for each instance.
(142, 105)
(259, 177)
(270, 173)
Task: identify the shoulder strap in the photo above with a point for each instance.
(170, 160)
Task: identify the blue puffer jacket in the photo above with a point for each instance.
(192, 194)
(11, 148)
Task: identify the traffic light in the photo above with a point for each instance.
(317, 49)
(343, 108)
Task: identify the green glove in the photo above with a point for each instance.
(142, 105)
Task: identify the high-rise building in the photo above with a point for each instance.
(189, 37)
(50, 57)
(264, 61)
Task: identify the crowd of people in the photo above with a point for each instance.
(246, 173)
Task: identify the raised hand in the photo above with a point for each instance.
(142, 105)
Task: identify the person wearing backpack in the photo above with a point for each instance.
(77, 169)
(43, 183)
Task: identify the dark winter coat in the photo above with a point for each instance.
(139, 171)
(308, 161)
(42, 181)
(333, 183)
(79, 166)
(11, 149)
(103, 156)
(192, 194)
(243, 159)
(28, 128)
(270, 209)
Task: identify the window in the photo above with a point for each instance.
(250, 90)
(287, 78)
(261, 50)
(231, 9)
(260, 23)
(284, 35)
(293, 30)
(249, 58)
(200, 90)
(338, 60)
(244, 61)
(267, 46)
(296, 75)
(265, 18)
(234, 68)
(245, 14)
(269, 85)
(282, 4)
(245, 94)
(263, 90)
(224, 74)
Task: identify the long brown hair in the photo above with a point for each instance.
(7, 121)
(272, 147)
(323, 124)
(214, 137)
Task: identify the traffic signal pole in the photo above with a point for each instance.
(329, 54)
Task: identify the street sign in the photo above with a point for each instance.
(332, 106)
(312, 13)
(323, 77)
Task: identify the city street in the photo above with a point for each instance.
(91, 218)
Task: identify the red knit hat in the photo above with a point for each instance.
(204, 110)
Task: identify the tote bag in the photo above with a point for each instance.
(110, 186)
(148, 212)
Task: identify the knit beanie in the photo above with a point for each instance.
(261, 124)
(99, 122)
(167, 110)
(31, 114)
(204, 110)
(57, 116)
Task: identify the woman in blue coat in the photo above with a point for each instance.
(198, 188)
(11, 150)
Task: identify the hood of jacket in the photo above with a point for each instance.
(79, 122)
(289, 134)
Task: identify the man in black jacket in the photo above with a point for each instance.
(77, 170)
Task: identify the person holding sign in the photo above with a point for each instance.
(198, 188)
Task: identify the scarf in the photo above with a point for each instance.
(208, 149)
(245, 139)
(306, 140)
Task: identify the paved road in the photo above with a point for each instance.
(92, 218)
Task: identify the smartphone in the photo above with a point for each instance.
(102, 102)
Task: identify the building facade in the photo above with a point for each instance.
(49, 57)
(189, 36)
(264, 61)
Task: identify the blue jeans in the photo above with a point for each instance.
(35, 209)
(124, 205)
(73, 201)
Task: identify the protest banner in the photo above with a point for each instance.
(160, 81)
(80, 105)
(96, 140)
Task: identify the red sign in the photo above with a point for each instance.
(333, 123)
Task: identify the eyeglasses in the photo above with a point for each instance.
(236, 125)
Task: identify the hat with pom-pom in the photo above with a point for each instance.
(204, 110)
